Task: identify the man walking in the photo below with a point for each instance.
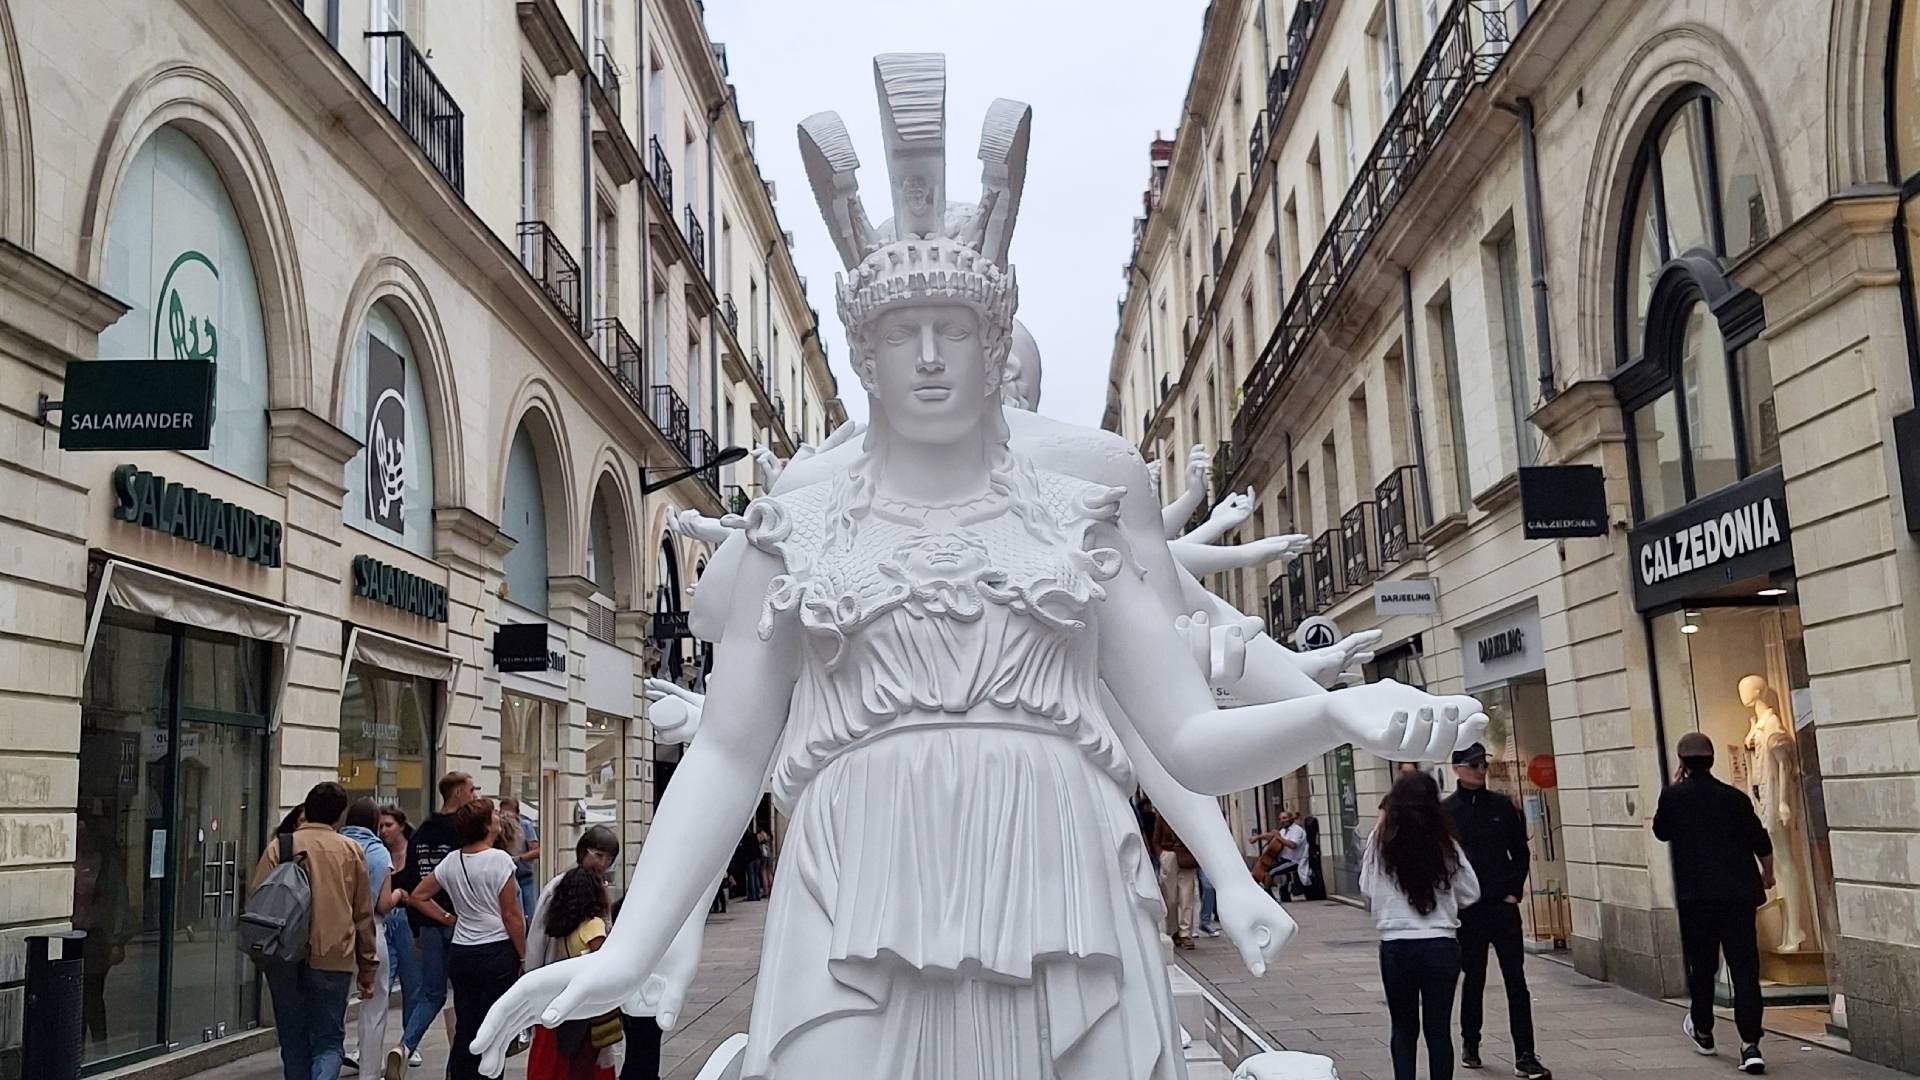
(1495, 840)
(1179, 882)
(310, 996)
(1722, 869)
(527, 857)
(434, 840)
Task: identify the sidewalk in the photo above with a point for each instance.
(1324, 997)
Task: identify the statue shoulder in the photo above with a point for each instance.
(1091, 454)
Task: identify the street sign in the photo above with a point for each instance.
(137, 405)
(1411, 596)
(1316, 632)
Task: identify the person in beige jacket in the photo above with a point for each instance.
(310, 997)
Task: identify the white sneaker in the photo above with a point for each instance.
(395, 1065)
(1750, 1059)
(414, 1060)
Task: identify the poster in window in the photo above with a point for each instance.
(386, 435)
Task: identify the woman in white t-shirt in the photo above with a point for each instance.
(490, 935)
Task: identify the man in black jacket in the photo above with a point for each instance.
(1722, 869)
(1495, 840)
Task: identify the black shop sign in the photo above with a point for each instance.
(137, 405)
(151, 501)
(397, 588)
(1561, 501)
(1735, 533)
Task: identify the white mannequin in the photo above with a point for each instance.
(928, 870)
(1774, 765)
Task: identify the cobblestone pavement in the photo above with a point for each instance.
(1325, 998)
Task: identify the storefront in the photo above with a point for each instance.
(533, 698)
(394, 689)
(1503, 663)
(610, 674)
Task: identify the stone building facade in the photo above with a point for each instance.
(1400, 251)
(461, 279)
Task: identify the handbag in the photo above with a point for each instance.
(574, 1036)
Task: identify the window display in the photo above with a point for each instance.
(1520, 765)
(528, 726)
(605, 758)
(386, 739)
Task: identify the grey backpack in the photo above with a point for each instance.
(273, 928)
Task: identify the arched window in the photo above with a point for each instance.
(666, 598)
(1693, 375)
(177, 255)
(390, 481)
(600, 547)
(523, 515)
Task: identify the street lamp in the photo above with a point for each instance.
(725, 457)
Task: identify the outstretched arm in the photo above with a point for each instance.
(694, 830)
(1173, 519)
(1233, 512)
(1203, 557)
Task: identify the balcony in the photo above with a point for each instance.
(1465, 51)
(1357, 562)
(1326, 572)
(621, 355)
(1165, 389)
(701, 450)
(1300, 32)
(1279, 80)
(553, 268)
(607, 75)
(1257, 144)
(659, 172)
(1235, 203)
(1300, 589)
(669, 413)
(696, 239)
(1223, 466)
(759, 367)
(734, 498)
(1399, 517)
(1279, 623)
(404, 82)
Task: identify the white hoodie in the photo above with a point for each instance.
(1393, 913)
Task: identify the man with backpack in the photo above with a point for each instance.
(313, 880)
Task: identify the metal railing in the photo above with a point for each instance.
(1357, 563)
(701, 450)
(607, 74)
(780, 409)
(734, 498)
(1235, 204)
(1300, 32)
(553, 268)
(759, 367)
(621, 355)
(1165, 389)
(729, 314)
(1278, 622)
(405, 82)
(1399, 517)
(1466, 49)
(696, 239)
(659, 171)
(1257, 144)
(1326, 571)
(1223, 466)
(669, 413)
(1278, 81)
(1300, 599)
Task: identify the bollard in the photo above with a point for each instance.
(50, 1043)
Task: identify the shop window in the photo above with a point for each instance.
(606, 758)
(386, 739)
(529, 734)
(178, 257)
(390, 480)
(1519, 739)
(1656, 432)
(600, 557)
(1704, 379)
(523, 515)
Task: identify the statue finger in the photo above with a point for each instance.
(1419, 733)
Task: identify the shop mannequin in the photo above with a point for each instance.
(1774, 766)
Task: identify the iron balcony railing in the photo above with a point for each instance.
(1466, 50)
(759, 368)
(696, 239)
(552, 267)
(659, 171)
(608, 75)
(729, 314)
(1278, 81)
(1400, 517)
(701, 450)
(1277, 622)
(1300, 32)
(1186, 334)
(780, 409)
(669, 413)
(1358, 565)
(735, 499)
(1165, 388)
(1326, 571)
(1300, 598)
(1257, 144)
(1223, 465)
(413, 94)
(621, 354)
(1235, 203)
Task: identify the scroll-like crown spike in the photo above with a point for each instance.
(827, 152)
(1003, 174)
(913, 118)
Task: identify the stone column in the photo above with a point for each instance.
(567, 598)
(633, 632)
(473, 549)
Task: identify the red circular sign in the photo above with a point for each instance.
(1542, 772)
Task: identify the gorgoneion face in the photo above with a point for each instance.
(929, 370)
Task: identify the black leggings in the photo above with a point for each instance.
(1420, 975)
(480, 975)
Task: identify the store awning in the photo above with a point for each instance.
(398, 655)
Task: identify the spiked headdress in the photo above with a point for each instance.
(930, 249)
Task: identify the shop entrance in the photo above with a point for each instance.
(1520, 765)
(171, 818)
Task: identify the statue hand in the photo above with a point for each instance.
(1197, 631)
(576, 989)
(1227, 661)
(1199, 466)
(674, 711)
(1273, 549)
(1344, 657)
(1285, 1065)
(770, 467)
(664, 993)
(1397, 722)
(1256, 924)
(1233, 511)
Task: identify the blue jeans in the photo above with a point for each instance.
(310, 1013)
(434, 942)
(1209, 899)
(528, 894)
(406, 966)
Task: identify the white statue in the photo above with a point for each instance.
(913, 639)
(1173, 519)
(1773, 762)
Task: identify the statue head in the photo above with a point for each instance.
(928, 297)
(1020, 381)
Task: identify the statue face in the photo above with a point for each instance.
(933, 556)
(929, 371)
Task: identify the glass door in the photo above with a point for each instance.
(218, 820)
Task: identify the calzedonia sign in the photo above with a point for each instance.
(1737, 532)
(397, 588)
(151, 501)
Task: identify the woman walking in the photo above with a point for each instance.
(490, 936)
(574, 920)
(395, 832)
(363, 818)
(1418, 880)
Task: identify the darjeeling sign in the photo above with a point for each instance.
(151, 501)
(1737, 532)
(397, 588)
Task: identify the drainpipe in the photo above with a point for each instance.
(1393, 46)
(586, 171)
(1413, 391)
(713, 266)
(1273, 187)
(1536, 250)
(642, 76)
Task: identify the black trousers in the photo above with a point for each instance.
(643, 1048)
(1707, 929)
(1420, 976)
(1496, 925)
(480, 975)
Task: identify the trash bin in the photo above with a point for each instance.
(50, 1041)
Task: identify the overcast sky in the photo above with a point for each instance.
(1101, 78)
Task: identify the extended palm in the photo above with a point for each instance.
(585, 986)
(1400, 723)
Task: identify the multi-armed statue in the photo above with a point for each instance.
(923, 641)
